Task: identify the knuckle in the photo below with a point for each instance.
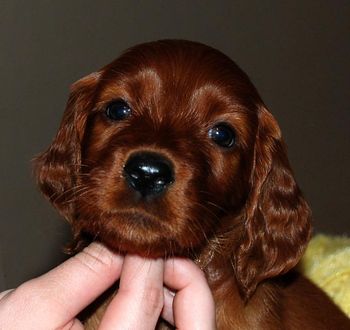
(95, 257)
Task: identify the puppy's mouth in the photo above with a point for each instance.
(139, 219)
(137, 232)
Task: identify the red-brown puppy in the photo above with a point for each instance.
(169, 150)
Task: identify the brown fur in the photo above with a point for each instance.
(238, 212)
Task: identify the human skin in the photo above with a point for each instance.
(53, 300)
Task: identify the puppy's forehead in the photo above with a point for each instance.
(176, 73)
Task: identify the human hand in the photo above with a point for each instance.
(53, 300)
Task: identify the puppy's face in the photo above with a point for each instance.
(166, 153)
(168, 150)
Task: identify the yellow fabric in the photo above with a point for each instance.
(327, 263)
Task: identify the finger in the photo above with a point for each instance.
(5, 293)
(55, 298)
(140, 296)
(193, 305)
(167, 311)
(73, 325)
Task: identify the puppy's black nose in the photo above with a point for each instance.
(148, 173)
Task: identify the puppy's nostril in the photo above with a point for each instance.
(148, 173)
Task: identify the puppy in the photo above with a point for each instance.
(170, 151)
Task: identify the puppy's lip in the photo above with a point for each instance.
(137, 216)
(121, 220)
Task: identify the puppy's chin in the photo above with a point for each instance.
(132, 232)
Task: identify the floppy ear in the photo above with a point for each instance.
(277, 224)
(56, 169)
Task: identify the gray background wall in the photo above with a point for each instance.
(296, 52)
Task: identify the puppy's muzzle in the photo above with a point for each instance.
(148, 173)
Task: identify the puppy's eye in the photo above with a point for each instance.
(118, 110)
(223, 135)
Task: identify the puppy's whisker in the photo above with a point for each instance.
(220, 208)
(76, 193)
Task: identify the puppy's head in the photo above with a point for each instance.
(168, 150)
